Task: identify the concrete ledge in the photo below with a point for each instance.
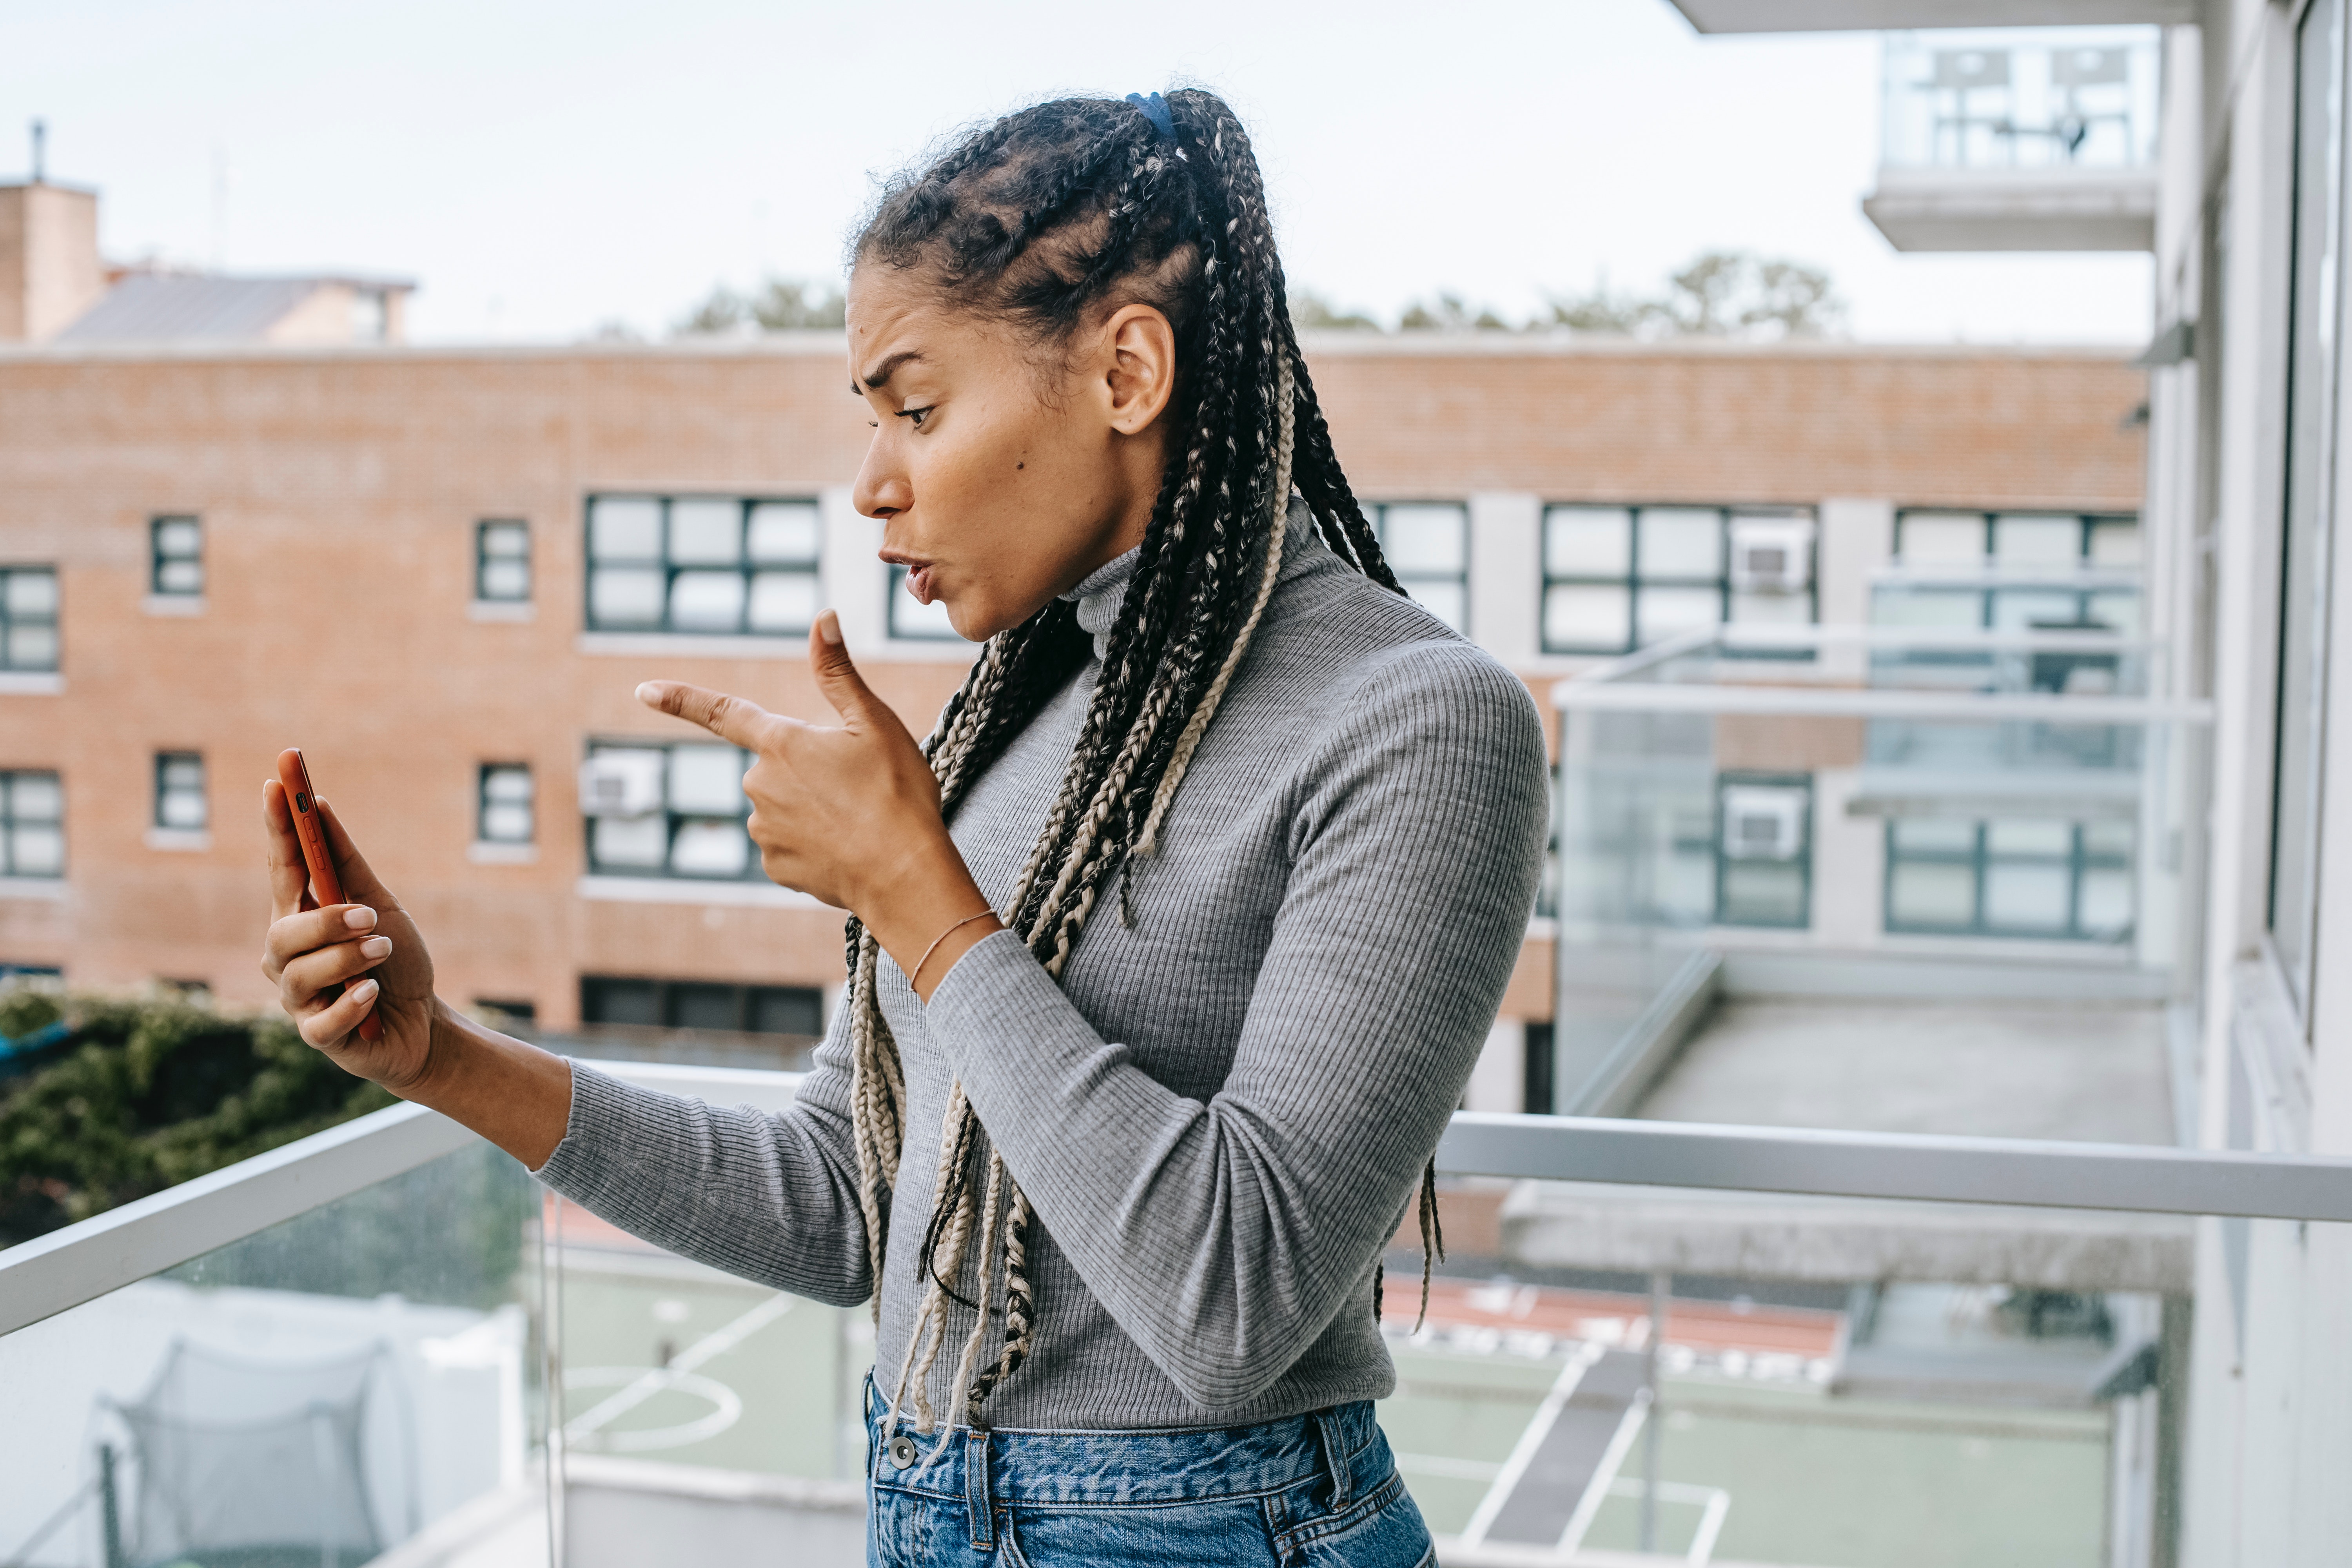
(1760, 1236)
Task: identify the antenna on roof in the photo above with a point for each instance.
(40, 146)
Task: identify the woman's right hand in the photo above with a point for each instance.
(313, 950)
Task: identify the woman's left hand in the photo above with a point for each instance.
(848, 814)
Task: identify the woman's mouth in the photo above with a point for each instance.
(918, 582)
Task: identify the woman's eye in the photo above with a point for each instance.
(916, 414)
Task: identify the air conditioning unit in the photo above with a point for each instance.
(1763, 821)
(1771, 555)
(622, 783)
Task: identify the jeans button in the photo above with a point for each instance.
(902, 1451)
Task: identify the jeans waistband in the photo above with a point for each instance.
(1184, 1465)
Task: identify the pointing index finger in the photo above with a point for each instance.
(735, 719)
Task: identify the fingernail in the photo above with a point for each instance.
(366, 989)
(828, 627)
(359, 917)
(375, 947)
(649, 694)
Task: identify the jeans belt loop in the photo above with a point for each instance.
(1335, 1454)
(976, 1490)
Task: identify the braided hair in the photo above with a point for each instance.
(1047, 220)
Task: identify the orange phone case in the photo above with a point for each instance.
(294, 778)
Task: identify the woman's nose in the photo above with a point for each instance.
(882, 489)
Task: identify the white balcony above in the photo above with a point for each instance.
(1878, 16)
(2018, 141)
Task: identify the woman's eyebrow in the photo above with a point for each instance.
(879, 376)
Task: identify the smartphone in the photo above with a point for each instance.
(294, 778)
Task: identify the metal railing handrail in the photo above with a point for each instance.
(82, 1262)
(1879, 703)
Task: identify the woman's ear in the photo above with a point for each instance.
(1141, 376)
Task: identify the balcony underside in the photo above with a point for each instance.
(1893, 15)
(2015, 209)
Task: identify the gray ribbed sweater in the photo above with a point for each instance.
(1221, 1114)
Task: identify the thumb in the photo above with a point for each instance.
(836, 676)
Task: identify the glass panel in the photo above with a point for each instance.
(2027, 896)
(2114, 541)
(178, 536)
(1446, 601)
(1771, 609)
(707, 781)
(35, 798)
(1941, 539)
(1763, 892)
(1423, 538)
(2107, 902)
(706, 602)
(705, 533)
(2115, 608)
(38, 850)
(1679, 541)
(707, 848)
(506, 580)
(625, 596)
(181, 808)
(2107, 838)
(1908, 607)
(1933, 836)
(625, 528)
(315, 1393)
(32, 593)
(2055, 838)
(784, 601)
(32, 647)
(505, 822)
(505, 541)
(506, 784)
(2026, 540)
(1665, 611)
(1587, 542)
(1923, 893)
(2020, 609)
(1587, 616)
(179, 577)
(785, 532)
(632, 841)
(182, 773)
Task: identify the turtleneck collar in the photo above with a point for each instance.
(1099, 594)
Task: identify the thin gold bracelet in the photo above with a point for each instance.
(939, 939)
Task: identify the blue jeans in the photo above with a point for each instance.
(1312, 1491)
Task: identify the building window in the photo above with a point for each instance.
(702, 1004)
(2064, 880)
(703, 566)
(176, 550)
(1616, 578)
(507, 814)
(2312, 322)
(667, 811)
(2014, 572)
(914, 621)
(28, 618)
(1764, 849)
(1427, 544)
(32, 825)
(180, 801)
(502, 560)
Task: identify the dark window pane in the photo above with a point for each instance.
(603, 1000)
(693, 1005)
(786, 1010)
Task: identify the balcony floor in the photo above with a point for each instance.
(2089, 1071)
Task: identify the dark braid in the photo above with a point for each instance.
(1049, 220)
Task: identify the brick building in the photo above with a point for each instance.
(442, 572)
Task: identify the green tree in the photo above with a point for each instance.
(781, 305)
(1449, 313)
(148, 1093)
(1309, 311)
(1718, 294)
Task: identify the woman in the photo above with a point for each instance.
(1187, 1002)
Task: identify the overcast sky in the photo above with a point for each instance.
(540, 169)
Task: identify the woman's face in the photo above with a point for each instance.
(1001, 476)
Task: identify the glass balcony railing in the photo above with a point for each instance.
(1703, 1343)
(2048, 98)
(1915, 816)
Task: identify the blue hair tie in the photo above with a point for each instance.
(1155, 110)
